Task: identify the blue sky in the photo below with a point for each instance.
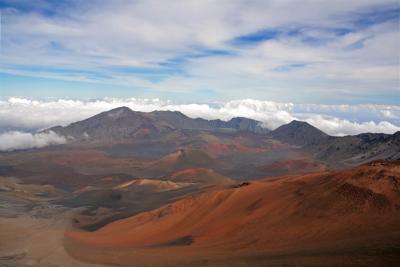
(322, 52)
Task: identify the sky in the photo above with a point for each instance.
(328, 59)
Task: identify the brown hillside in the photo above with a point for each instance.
(317, 218)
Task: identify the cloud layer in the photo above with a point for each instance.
(21, 114)
(324, 52)
(14, 140)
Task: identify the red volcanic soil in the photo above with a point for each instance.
(231, 147)
(200, 175)
(347, 217)
(294, 166)
(181, 160)
(87, 158)
(241, 144)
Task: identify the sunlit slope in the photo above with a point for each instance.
(354, 212)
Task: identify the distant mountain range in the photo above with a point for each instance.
(123, 125)
(356, 148)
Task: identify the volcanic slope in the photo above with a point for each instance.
(339, 151)
(200, 175)
(299, 133)
(317, 219)
(122, 124)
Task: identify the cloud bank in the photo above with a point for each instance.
(14, 140)
(22, 114)
(325, 52)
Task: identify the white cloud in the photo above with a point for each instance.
(31, 115)
(142, 34)
(14, 140)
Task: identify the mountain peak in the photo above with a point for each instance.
(168, 113)
(299, 133)
(297, 123)
(246, 124)
(117, 112)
